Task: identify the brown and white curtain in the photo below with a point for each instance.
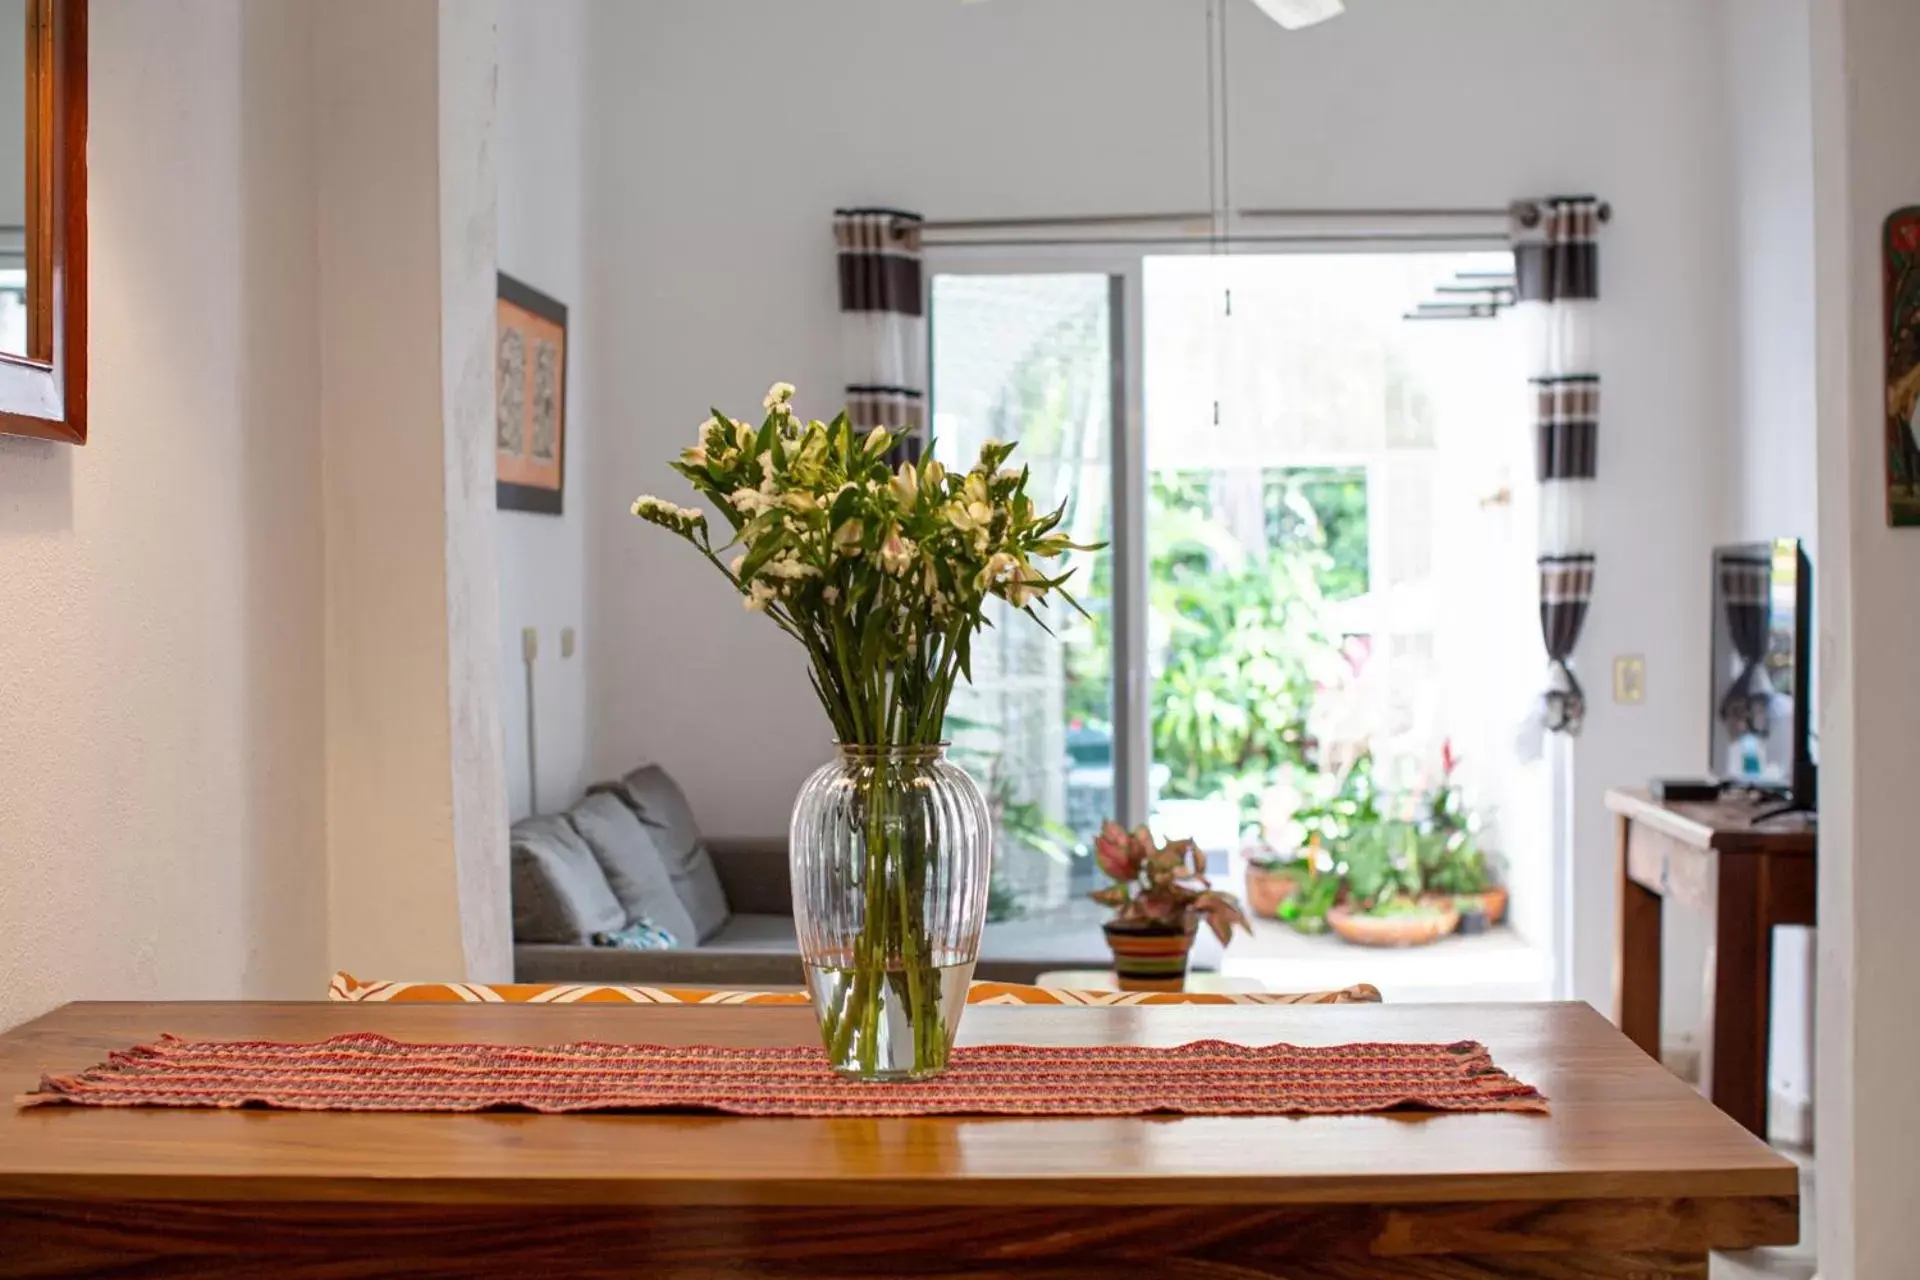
(1746, 592)
(1556, 268)
(884, 317)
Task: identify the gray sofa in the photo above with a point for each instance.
(630, 848)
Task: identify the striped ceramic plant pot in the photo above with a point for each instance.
(1150, 957)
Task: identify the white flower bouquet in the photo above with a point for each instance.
(882, 574)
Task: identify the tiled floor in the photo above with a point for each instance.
(1493, 966)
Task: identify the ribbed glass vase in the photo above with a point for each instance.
(891, 851)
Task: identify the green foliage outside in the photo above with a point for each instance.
(1240, 635)
(1381, 853)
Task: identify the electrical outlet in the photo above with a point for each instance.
(566, 642)
(529, 643)
(1630, 679)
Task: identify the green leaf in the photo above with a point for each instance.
(764, 549)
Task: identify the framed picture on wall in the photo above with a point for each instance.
(1900, 261)
(530, 399)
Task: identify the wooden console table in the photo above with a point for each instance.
(1711, 857)
(1631, 1173)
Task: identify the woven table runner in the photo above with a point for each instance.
(363, 1072)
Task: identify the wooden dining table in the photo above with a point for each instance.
(1629, 1174)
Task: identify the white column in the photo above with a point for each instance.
(1866, 98)
(416, 805)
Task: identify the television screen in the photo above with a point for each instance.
(1758, 663)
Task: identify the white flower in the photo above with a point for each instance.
(749, 501)
(766, 469)
(878, 439)
(936, 474)
(906, 485)
(976, 489)
(738, 561)
(830, 594)
(896, 553)
(993, 571)
(790, 568)
(694, 457)
(799, 501)
(1023, 587)
(846, 539)
(758, 597)
(668, 515)
(779, 396)
(742, 434)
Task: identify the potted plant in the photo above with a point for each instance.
(1273, 877)
(1159, 896)
(1453, 866)
(1306, 909)
(1384, 905)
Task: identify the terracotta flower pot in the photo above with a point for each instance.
(1393, 931)
(1268, 887)
(1491, 900)
(1150, 957)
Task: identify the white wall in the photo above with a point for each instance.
(162, 763)
(1772, 482)
(543, 129)
(714, 276)
(416, 816)
(1865, 100)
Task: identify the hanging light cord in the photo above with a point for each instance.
(1226, 138)
(1213, 139)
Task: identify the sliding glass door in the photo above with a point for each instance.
(1032, 358)
(1319, 538)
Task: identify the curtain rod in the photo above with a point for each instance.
(1205, 219)
(1227, 243)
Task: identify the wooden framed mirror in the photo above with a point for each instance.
(43, 219)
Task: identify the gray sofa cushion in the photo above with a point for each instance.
(657, 798)
(681, 967)
(560, 895)
(635, 870)
(757, 933)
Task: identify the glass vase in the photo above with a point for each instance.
(891, 850)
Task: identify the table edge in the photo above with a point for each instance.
(916, 1193)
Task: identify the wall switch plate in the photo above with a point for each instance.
(566, 642)
(1630, 679)
(529, 643)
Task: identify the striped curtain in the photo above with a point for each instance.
(883, 314)
(1556, 265)
(1746, 588)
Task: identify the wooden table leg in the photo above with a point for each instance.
(1636, 961)
(1740, 1000)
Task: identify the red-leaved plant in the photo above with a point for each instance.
(1161, 884)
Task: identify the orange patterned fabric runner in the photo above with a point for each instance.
(363, 1072)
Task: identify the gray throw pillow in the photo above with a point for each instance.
(635, 868)
(560, 895)
(656, 797)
